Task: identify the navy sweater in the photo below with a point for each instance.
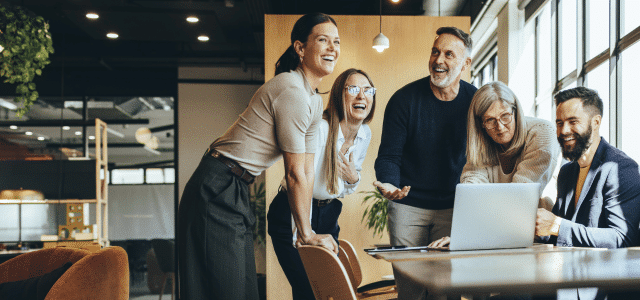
(423, 143)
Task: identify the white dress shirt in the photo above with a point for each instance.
(359, 150)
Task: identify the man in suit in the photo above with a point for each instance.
(598, 202)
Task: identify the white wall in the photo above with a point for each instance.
(205, 111)
(142, 211)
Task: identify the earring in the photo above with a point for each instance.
(301, 59)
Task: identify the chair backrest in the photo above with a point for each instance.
(38, 263)
(164, 250)
(353, 261)
(328, 278)
(100, 275)
(344, 259)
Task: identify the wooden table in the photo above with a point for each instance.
(538, 270)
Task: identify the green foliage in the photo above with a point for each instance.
(27, 44)
(257, 196)
(376, 214)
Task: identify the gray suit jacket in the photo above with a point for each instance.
(608, 210)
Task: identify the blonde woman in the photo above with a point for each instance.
(505, 146)
(342, 145)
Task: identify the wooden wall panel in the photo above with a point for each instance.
(406, 60)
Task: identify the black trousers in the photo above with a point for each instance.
(215, 238)
(324, 220)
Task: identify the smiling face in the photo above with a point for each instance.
(321, 51)
(501, 133)
(575, 127)
(357, 107)
(448, 60)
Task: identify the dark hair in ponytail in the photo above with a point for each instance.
(301, 31)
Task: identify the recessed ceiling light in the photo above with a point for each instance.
(14, 127)
(395, 1)
(78, 133)
(92, 16)
(192, 19)
(112, 35)
(40, 138)
(28, 133)
(66, 127)
(203, 38)
(91, 137)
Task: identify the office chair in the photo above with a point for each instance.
(352, 264)
(164, 250)
(328, 276)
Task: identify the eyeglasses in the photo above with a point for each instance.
(354, 90)
(492, 123)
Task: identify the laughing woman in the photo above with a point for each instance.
(215, 240)
(342, 146)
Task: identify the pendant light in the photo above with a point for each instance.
(380, 42)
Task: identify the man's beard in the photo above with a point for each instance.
(451, 75)
(581, 145)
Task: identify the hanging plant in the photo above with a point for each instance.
(25, 44)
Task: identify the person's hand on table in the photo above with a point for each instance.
(547, 223)
(391, 192)
(323, 240)
(441, 243)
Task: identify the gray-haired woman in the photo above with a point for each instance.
(504, 146)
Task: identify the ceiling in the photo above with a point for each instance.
(155, 33)
(154, 39)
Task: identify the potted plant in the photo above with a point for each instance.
(257, 196)
(25, 45)
(375, 214)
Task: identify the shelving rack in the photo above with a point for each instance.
(102, 193)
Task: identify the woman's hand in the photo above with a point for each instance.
(347, 168)
(443, 242)
(323, 240)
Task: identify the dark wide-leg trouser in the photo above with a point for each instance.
(324, 220)
(215, 238)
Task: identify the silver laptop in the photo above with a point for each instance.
(494, 215)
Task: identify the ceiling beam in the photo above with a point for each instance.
(56, 123)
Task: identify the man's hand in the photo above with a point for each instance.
(347, 168)
(322, 240)
(547, 223)
(391, 192)
(443, 242)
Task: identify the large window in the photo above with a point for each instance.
(629, 15)
(598, 79)
(597, 27)
(487, 73)
(544, 66)
(567, 36)
(582, 58)
(143, 176)
(630, 107)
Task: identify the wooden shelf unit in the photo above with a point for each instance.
(102, 192)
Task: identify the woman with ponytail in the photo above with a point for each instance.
(282, 120)
(342, 145)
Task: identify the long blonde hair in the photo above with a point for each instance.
(333, 114)
(482, 151)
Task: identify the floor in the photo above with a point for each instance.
(151, 297)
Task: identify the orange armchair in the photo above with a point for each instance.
(100, 275)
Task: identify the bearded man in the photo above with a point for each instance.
(598, 202)
(423, 143)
